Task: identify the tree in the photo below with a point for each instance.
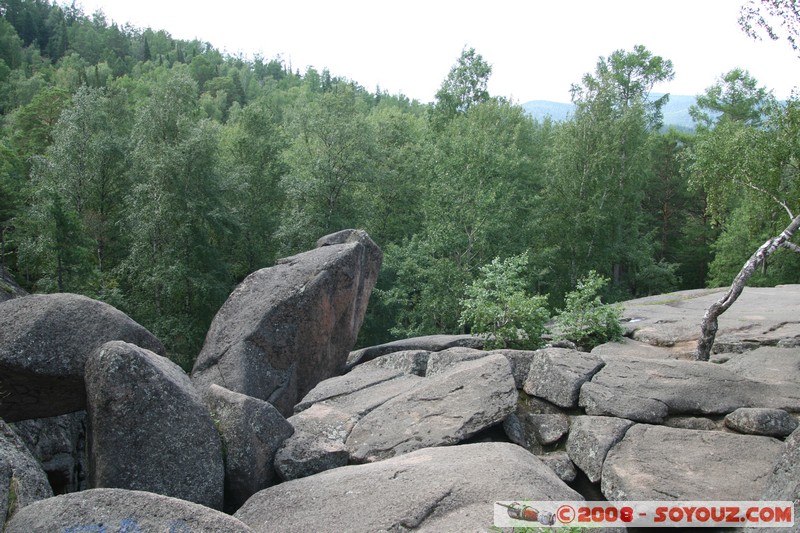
(759, 166)
(599, 170)
(764, 15)
(464, 87)
(498, 307)
(585, 319)
(736, 97)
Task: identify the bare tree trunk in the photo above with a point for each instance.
(708, 328)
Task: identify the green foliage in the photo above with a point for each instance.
(498, 307)
(585, 319)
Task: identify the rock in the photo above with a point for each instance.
(602, 400)
(322, 429)
(631, 348)
(520, 364)
(557, 374)
(288, 327)
(22, 480)
(590, 438)
(767, 365)
(252, 430)
(407, 361)
(691, 422)
(357, 380)
(430, 490)
(59, 444)
(121, 511)
(44, 342)
(549, 428)
(515, 431)
(673, 320)
(442, 410)
(561, 464)
(149, 428)
(430, 343)
(305, 454)
(783, 481)
(8, 287)
(761, 421)
(441, 362)
(661, 463)
(687, 387)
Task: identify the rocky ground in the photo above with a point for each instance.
(282, 428)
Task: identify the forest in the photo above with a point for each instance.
(155, 174)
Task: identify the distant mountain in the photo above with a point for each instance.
(676, 112)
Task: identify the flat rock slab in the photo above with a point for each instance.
(407, 361)
(358, 379)
(590, 438)
(45, 340)
(120, 510)
(429, 343)
(430, 490)
(661, 463)
(759, 316)
(557, 374)
(288, 327)
(602, 400)
(442, 410)
(441, 362)
(633, 348)
(767, 364)
(688, 387)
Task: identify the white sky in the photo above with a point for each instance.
(537, 48)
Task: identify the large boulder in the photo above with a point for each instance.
(149, 429)
(761, 421)
(252, 430)
(441, 410)
(330, 411)
(288, 327)
(44, 342)
(434, 489)
(120, 510)
(662, 463)
(557, 374)
(22, 480)
(590, 438)
(59, 444)
(685, 387)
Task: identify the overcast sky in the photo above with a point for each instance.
(537, 48)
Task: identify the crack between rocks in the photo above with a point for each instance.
(426, 513)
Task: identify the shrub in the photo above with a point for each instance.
(498, 308)
(586, 320)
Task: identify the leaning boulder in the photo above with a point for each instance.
(441, 410)
(121, 511)
(149, 429)
(661, 463)
(252, 430)
(22, 480)
(288, 327)
(8, 287)
(590, 438)
(44, 342)
(430, 490)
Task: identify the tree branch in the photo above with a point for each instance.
(709, 325)
(792, 246)
(764, 191)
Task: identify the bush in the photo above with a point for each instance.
(498, 307)
(586, 320)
